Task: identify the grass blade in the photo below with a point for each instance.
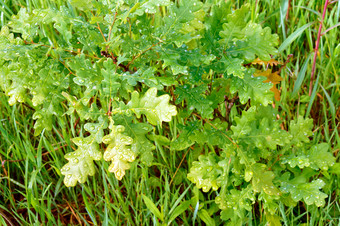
(300, 77)
(179, 199)
(312, 97)
(294, 36)
(180, 209)
(152, 207)
(204, 215)
(331, 104)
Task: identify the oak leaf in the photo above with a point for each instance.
(274, 78)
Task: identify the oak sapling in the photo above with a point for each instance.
(172, 74)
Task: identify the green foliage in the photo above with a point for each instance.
(255, 156)
(176, 75)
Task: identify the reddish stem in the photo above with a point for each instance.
(317, 48)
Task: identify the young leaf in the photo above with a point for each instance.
(236, 22)
(320, 157)
(195, 99)
(236, 202)
(111, 83)
(263, 180)
(96, 129)
(153, 208)
(80, 163)
(298, 159)
(43, 121)
(156, 109)
(251, 87)
(255, 41)
(300, 129)
(141, 145)
(118, 151)
(309, 192)
(259, 127)
(186, 138)
(206, 173)
(82, 4)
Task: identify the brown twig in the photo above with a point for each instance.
(317, 48)
(6, 174)
(76, 123)
(285, 63)
(179, 165)
(109, 113)
(287, 15)
(73, 213)
(63, 63)
(6, 218)
(100, 30)
(229, 103)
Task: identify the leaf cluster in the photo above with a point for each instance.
(125, 68)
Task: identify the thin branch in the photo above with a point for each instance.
(141, 53)
(317, 48)
(63, 63)
(6, 218)
(98, 27)
(180, 165)
(330, 28)
(100, 30)
(285, 63)
(110, 31)
(74, 214)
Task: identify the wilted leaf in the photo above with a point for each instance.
(270, 62)
(273, 78)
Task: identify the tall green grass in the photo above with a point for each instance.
(31, 187)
